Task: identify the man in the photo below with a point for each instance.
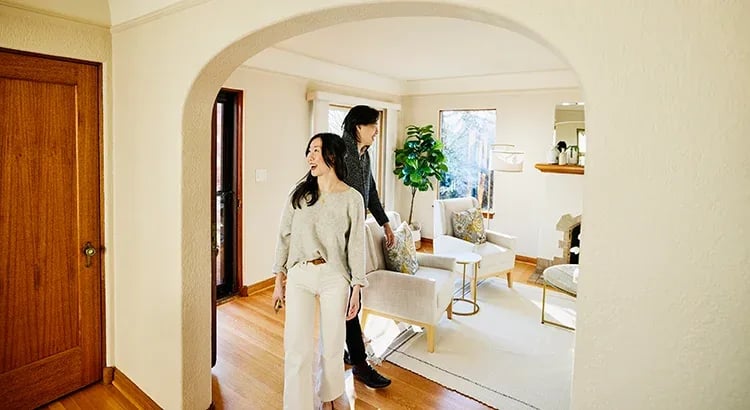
(360, 128)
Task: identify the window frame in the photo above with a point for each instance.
(488, 211)
(380, 150)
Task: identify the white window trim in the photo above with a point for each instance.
(321, 102)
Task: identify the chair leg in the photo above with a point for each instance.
(430, 338)
(510, 279)
(363, 320)
(449, 310)
(544, 299)
(474, 289)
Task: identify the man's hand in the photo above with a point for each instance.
(353, 307)
(390, 239)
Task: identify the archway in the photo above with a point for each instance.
(196, 150)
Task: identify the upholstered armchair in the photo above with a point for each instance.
(498, 254)
(418, 299)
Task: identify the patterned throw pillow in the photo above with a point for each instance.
(402, 256)
(469, 226)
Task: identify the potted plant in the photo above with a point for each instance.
(420, 160)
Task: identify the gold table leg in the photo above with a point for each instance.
(544, 300)
(475, 306)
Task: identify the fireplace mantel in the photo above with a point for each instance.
(560, 169)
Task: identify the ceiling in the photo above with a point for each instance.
(424, 48)
(400, 56)
(419, 56)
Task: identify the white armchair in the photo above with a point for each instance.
(418, 299)
(498, 254)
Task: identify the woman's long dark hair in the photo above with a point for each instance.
(333, 151)
(359, 115)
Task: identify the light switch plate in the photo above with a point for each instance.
(261, 175)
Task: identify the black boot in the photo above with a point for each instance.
(370, 377)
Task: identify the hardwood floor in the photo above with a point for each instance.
(96, 396)
(249, 369)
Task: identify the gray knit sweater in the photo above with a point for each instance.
(333, 228)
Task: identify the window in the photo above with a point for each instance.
(581, 140)
(336, 115)
(468, 136)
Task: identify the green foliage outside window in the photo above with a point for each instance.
(468, 136)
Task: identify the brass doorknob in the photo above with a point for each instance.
(89, 251)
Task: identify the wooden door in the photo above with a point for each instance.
(50, 189)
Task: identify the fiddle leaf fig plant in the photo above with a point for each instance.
(419, 160)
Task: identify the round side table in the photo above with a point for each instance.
(467, 258)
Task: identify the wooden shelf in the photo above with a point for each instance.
(560, 169)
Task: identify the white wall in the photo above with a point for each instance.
(276, 131)
(29, 31)
(525, 119)
(663, 77)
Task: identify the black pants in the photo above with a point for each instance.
(354, 340)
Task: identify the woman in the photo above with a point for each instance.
(320, 254)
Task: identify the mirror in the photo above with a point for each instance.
(570, 125)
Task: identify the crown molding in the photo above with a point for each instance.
(286, 62)
(79, 20)
(533, 80)
(281, 61)
(157, 14)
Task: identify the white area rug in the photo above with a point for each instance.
(502, 356)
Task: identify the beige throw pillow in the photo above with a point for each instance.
(469, 226)
(402, 256)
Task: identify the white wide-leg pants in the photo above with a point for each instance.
(304, 283)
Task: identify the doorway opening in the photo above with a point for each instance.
(226, 142)
(226, 201)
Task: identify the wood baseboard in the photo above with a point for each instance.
(133, 392)
(527, 259)
(108, 374)
(257, 287)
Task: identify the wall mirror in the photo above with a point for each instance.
(570, 125)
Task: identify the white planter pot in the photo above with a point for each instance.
(416, 235)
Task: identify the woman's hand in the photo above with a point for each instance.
(351, 313)
(279, 292)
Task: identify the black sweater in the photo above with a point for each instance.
(359, 177)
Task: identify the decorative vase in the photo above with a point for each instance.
(552, 155)
(562, 159)
(573, 155)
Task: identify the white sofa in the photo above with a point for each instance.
(498, 253)
(418, 299)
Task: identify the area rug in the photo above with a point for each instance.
(502, 356)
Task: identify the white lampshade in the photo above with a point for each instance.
(504, 159)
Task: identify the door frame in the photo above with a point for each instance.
(239, 223)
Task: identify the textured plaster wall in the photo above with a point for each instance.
(33, 32)
(653, 332)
